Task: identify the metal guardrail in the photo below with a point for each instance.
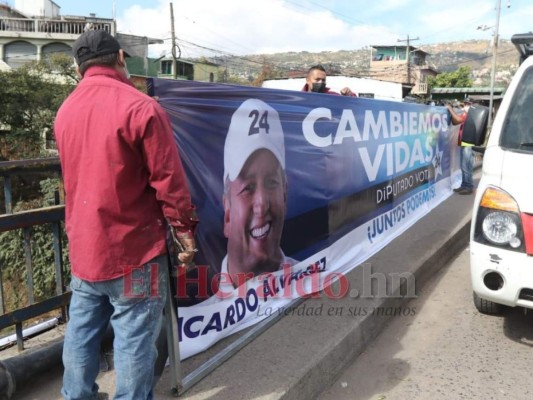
(24, 221)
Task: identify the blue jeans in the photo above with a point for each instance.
(467, 167)
(133, 305)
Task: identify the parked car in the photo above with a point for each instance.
(501, 237)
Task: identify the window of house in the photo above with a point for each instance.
(18, 53)
(166, 67)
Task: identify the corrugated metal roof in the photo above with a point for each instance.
(411, 48)
(486, 97)
(480, 90)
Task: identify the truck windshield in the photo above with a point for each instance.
(517, 132)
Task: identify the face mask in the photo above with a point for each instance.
(318, 87)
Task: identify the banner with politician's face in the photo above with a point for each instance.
(294, 189)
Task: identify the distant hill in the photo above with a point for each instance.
(444, 57)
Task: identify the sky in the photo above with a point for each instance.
(245, 27)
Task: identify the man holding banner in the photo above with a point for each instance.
(124, 182)
(467, 157)
(316, 82)
(255, 194)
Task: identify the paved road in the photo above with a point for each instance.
(447, 350)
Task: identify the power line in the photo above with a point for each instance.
(242, 59)
(313, 11)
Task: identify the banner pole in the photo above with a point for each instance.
(172, 333)
(214, 362)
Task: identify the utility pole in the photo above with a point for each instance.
(407, 56)
(114, 11)
(493, 69)
(174, 57)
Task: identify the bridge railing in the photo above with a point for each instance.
(51, 26)
(25, 222)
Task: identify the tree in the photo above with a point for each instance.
(267, 72)
(29, 99)
(461, 77)
(12, 255)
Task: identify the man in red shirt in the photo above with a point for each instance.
(316, 82)
(124, 182)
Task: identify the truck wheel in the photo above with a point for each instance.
(487, 306)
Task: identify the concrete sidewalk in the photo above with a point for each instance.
(305, 351)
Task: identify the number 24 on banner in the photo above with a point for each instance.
(258, 122)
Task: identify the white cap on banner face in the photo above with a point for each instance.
(254, 125)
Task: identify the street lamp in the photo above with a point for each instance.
(495, 41)
(493, 70)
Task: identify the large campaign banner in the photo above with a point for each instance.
(293, 190)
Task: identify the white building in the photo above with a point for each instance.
(363, 87)
(34, 29)
(38, 8)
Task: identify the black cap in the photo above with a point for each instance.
(93, 44)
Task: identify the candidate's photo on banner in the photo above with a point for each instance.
(292, 189)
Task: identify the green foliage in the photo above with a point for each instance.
(461, 77)
(12, 254)
(29, 99)
(60, 65)
(13, 273)
(49, 188)
(21, 144)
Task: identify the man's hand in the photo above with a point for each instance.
(189, 248)
(185, 245)
(346, 91)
